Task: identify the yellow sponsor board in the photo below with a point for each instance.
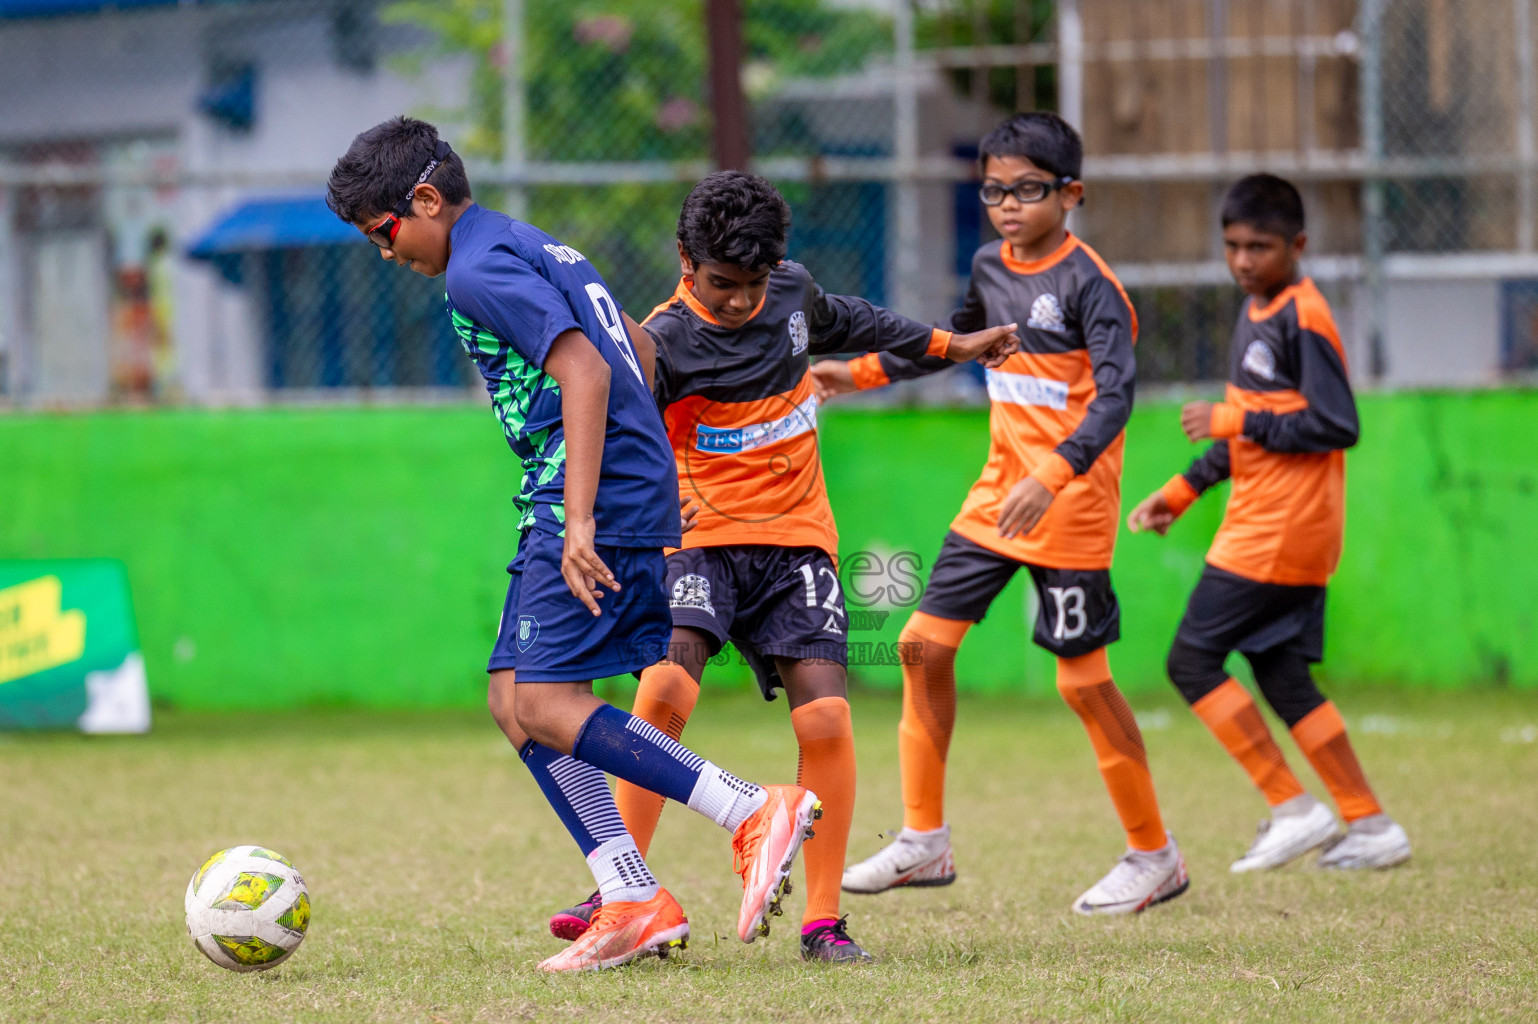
(36, 633)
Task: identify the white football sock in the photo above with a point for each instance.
(621, 873)
(724, 798)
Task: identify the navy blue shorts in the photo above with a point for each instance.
(549, 636)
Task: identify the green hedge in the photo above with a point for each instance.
(283, 557)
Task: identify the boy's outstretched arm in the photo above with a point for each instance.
(1329, 423)
(1108, 335)
(583, 376)
(848, 323)
(1161, 508)
(971, 338)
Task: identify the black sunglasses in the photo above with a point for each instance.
(1028, 191)
(385, 231)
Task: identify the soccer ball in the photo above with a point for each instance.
(247, 908)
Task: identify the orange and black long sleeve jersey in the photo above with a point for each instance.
(1287, 417)
(740, 410)
(1059, 405)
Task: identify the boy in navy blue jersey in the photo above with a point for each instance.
(569, 378)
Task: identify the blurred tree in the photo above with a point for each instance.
(625, 80)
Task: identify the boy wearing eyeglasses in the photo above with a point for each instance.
(569, 375)
(1048, 501)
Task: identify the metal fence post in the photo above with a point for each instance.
(514, 112)
(1527, 147)
(905, 111)
(1371, 33)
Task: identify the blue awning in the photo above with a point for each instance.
(258, 225)
(49, 8)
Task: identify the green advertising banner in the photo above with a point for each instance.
(69, 652)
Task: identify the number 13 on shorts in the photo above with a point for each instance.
(1077, 612)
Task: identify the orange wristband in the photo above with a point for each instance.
(939, 343)
(1227, 421)
(867, 373)
(1179, 495)
(1053, 472)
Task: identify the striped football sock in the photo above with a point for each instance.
(580, 795)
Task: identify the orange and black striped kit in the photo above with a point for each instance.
(1281, 432)
(740, 411)
(1059, 405)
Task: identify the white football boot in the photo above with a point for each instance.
(1294, 828)
(1139, 880)
(913, 858)
(1377, 841)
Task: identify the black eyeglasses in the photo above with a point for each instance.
(385, 231)
(1027, 191)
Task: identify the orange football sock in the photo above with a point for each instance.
(1235, 720)
(929, 715)
(826, 767)
(1321, 735)
(1085, 683)
(666, 699)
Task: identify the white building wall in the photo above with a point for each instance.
(121, 75)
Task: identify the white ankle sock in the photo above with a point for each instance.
(724, 798)
(621, 873)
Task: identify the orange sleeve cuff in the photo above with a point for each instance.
(1179, 495)
(867, 373)
(1227, 421)
(939, 343)
(1053, 472)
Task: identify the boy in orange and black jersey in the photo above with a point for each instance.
(1280, 434)
(1048, 501)
(758, 568)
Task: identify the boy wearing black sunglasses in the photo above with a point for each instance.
(1048, 501)
(569, 375)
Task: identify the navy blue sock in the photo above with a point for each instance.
(578, 792)
(581, 798)
(638, 752)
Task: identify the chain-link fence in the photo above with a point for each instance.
(162, 236)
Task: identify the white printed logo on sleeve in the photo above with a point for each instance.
(1023, 389)
(1260, 360)
(692, 591)
(799, 336)
(1046, 314)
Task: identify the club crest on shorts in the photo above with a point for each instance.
(1046, 314)
(528, 632)
(692, 591)
(1260, 360)
(798, 333)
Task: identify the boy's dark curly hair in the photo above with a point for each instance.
(736, 218)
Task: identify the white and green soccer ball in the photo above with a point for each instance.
(247, 908)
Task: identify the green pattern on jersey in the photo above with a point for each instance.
(513, 392)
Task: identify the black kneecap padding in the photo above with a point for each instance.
(1283, 676)
(1194, 671)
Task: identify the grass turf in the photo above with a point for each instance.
(433, 863)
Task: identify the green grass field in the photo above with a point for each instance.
(433, 862)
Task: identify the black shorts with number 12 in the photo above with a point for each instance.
(769, 601)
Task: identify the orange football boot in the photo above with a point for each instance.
(622, 932)
(765, 846)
